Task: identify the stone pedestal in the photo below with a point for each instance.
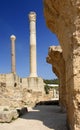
(35, 84)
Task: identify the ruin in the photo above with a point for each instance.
(55, 58)
(18, 92)
(34, 82)
(63, 19)
(33, 62)
(13, 60)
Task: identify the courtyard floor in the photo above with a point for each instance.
(44, 117)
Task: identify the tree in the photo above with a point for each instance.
(52, 81)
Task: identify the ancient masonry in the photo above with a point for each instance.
(16, 91)
(63, 19)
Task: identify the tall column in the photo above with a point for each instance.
(33, 63)
(13, 61)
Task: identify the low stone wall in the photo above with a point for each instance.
(19, 92)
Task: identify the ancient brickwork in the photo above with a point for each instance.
(63, 18)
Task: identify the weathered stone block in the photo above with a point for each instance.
(7, 114)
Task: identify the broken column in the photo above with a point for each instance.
(13, 61)
(33, 63)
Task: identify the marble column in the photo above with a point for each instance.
(13, 61)
(33, 62)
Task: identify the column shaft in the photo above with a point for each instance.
(13, 61)
(33, 59)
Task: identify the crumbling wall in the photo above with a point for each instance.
(18, 92)
(63, 18)
(10, 90)
(55, 58)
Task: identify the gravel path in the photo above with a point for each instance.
(39, 118)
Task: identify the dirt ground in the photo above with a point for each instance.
(44, 117)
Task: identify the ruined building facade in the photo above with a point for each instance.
(63, 19)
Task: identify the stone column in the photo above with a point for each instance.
(13, 61)
(33, 62)
(54, 93)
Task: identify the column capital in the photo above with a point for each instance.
(13, 37)
(32, 16)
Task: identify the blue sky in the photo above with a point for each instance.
(14, 20)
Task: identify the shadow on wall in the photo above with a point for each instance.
(51, 116)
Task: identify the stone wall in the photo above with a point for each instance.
(16, 92)
(63, 19)
(10, 90)
(55, 58)
(10, 80)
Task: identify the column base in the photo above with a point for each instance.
(35, 84)
(33, 75)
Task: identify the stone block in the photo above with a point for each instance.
(7, 114)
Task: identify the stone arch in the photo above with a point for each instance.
(63, 19)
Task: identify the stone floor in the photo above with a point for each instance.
(44, 117)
